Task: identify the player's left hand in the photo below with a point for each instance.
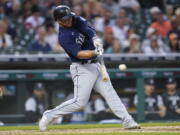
(97, 42)
(99, 51)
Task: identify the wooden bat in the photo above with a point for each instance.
(104, 74)
(103, 68)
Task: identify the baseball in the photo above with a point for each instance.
(122, 67)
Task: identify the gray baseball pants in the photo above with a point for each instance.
(87, 77)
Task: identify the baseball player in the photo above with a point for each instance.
(154, 107)
(171, 99)
(35, 105)
(78, 39)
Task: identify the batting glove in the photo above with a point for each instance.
(99, 51)
(97, 42)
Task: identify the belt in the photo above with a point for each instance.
(89, 61)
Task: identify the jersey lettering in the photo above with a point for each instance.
(150, 102)
(80, 39)
(174, 100)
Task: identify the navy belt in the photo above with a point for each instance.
(89, 61)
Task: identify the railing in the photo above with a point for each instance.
(63, 57)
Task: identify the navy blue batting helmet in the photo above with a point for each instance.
(62, 12)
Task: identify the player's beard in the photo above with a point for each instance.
(69, 24)
(66, 24)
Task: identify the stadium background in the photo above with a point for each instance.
(18, 59)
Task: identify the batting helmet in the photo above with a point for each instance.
(62, 12)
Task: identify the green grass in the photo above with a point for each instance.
(84, 126)
(114, 134)
(71, 126)
(90, 126)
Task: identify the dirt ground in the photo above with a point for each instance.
(175, 129)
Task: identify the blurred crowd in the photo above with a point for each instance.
(125, 26)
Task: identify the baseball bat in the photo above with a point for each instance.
(98, 44)
(103, 69)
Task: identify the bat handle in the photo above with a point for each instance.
(100, 53)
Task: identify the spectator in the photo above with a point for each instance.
(111, 44)
(77, 2)
(171, 99)
(2, 13)
(92, 9)
(52, 39)
(42, 3)
(111, 6)
(35, 20)
(174, 43)
(39, 44)
(160, 25)
(11, 30)
(53, 3)
(35, 105)
(134, 44)
(154, 45)
(120, 30)
(169, 12)
(123, 14)
(154, 107)
(101, 22)
(177, 21)
(5, 39)
(130, 31)
(175, 28)
(154, 13)
(78, 10)
(11, 7)
(177, 15)
(132, 4)
(26, 9)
